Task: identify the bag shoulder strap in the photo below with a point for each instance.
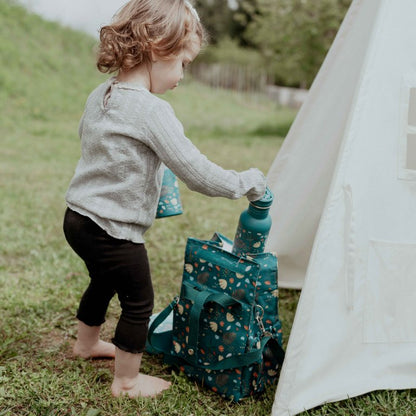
(161, 342)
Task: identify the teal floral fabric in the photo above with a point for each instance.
(239, 315)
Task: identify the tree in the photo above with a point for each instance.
(292, 35)
(217, 18)
(242, 17)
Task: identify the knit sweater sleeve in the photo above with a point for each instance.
(177, 152)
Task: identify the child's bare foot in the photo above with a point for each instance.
(140, 386)
(128, 381)
(100, 349)
(89, 345)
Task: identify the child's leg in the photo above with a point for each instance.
(91, 314)
(89, 242)
(115, 266)
(128, 381)
(89, 345)
(135, 292)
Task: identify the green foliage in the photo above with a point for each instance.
(288, 38)
(292, 35)
(216, 16)
(228, 51)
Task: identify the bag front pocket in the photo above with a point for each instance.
(216, 332)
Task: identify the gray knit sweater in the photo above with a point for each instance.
(126, 134)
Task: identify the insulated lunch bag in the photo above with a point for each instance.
(226, 333)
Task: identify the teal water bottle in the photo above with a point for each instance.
(254, 226)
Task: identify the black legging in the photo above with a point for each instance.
(114, 266)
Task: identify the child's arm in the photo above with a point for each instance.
(168, 141)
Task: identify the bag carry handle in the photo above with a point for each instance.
(162, 344)
(200, 297)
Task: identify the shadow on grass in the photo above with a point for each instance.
(276, 129)
(279, 129)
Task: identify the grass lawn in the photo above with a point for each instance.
(46, 75)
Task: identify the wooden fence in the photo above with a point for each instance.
(249, 80)
(233, 77)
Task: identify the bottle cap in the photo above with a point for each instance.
(265, 201)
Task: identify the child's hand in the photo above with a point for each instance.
(259, 185)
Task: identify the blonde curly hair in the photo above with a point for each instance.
(141, 27)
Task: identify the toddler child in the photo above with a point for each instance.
(127, 137)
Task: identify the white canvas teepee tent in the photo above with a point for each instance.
(344, 227)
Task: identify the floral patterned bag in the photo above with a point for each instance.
(226, 333)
